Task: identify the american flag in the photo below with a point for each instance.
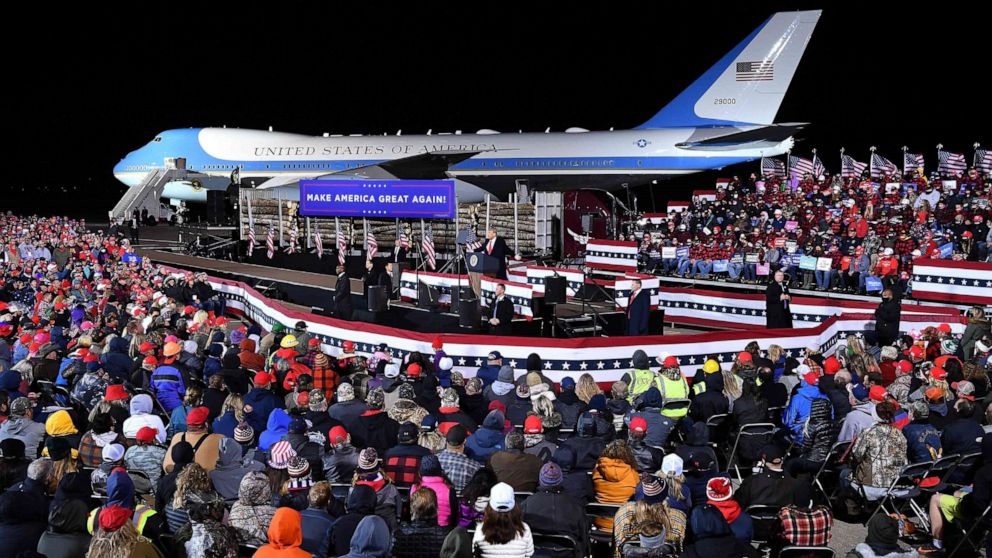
(270, 242)
(983, 160)
(341, 241)
(427, 247)
(799, 167)
(370, 243)
(294, 232)
(772, 167)
(818, 168)
(404, 240)
(880, 166)
(319, 242)
(911, 162)
(849, 168)
(755, 71)
(472, 242)
(251, 230)
(951, 163)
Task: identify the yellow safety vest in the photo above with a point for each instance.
(674, 389)
(641, 381)
(139, 518)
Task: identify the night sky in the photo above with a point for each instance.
(110, 80)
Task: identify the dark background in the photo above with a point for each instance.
(88, 87)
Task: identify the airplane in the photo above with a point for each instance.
(723, 118)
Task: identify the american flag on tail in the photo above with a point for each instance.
(270, 242)
(951, 163)
(818, 168)
(983, 160)
(772, 167)
(318, 242)
(880, 166)
(370, 243)
(799, 167)
(849, 168)
(342, 243)
(427, 247)
(911, 162)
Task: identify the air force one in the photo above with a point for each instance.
(725, 117)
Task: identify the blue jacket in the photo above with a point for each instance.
(488, 374)
(10, 381)
(168, 387)
(262, 402)
(116, 362)
(275, 429)
(316, 525)
(211, 366)
(743, 528)
(795, 414)
(483, 443)
(921, 437)
(225, 424)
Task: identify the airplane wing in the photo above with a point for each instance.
(767, 134)
(425, 166)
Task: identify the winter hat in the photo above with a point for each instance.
(346, 392)
(430, 466)
(501, 497)
(505, 374)
(920, 409)
(883, 529)
(456, 435)
(653, 489)
(494, 420)
(58, 448)
(567, 383)
(550, 474)
(280, 453)
(534, 362)
(719, 489)
(640, 359)
(298, 467)
(146, 435)
(297, 426)
(113, 453)
(368, 460)
(406, 391)
(376, 399)
(597, 403)
(889, 353)
(12, 449)
(244, 433)
(948, 347)
(182, 453)
(533, 379)
(672, 465)
(449, 398)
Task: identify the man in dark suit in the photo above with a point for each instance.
(496, 247)
(778, 302)
(887, 318)
(501, 313)
(386, 280)
(638, 308)
(342, 295)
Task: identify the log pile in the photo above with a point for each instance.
(266, 211)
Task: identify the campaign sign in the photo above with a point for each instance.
(401, 199)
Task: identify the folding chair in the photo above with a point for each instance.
(760, 429)
(340, 490)
(806, 551)
(554, 544)
(246, 550)
(829, 467)
(763, 518)
(775, 414)
(520, 496)
(964, 467)
(717, 425)
(967, 534)
(905, 487)
(941, 467)
(143, 475)
(597, 510)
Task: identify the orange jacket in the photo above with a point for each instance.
(615, 482)
(285, 536)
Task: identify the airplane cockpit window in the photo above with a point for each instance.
(157, 138)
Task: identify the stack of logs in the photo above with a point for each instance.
(266, 211)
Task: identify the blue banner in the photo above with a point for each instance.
(947, 250)
(682, 252)
(402, 199)
(873, 284)
(720, 266)
(807, 262)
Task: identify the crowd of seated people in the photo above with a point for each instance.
(136, 420)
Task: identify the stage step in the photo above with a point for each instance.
(579, 326)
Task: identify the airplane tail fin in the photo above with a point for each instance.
(748, 84)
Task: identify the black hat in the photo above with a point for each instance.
(408, 433)
(456, 435)
(12, 448)
(772, 452)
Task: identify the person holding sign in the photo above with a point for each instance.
(496, 247)
(778, 302)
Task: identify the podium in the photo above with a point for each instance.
(479, 264)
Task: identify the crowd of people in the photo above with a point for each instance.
(866, 228)
(140, 421)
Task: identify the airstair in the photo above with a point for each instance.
(147, 194)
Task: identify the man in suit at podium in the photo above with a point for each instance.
(638, 308)
(496, 247)
(501, 313)
(342, 295)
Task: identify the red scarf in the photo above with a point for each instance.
(729, 508)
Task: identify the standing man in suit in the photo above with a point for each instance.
(342, 295)
(638, 308)
(386, 280)
(778, 302)
(501, 314)
(496, 247)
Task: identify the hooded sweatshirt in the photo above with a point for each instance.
(486, 441)
(226, 478)
(615, 482)
(141, 409)
(26, 430)
(361, 502)
(285, 536)
(66, 536)
(253, 511)
(275, 429)
(371, 539)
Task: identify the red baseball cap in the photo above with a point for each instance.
(938, 373)
(337, 435)
(877, 393)
(533, 425)
(146, 434)
(313, 342)
(115, 392)
(146, 346)
(262, 379)
(413, 370)
(638, 424)
(916, 352)
(811, 378)
(197, 416)
(946, 328)
(744, 356)
(671, 362)
(905, 366)
(831, 365)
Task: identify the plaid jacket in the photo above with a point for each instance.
(402, 469)
(806, 528)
